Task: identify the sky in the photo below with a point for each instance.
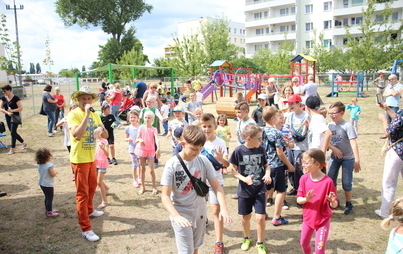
(73, 47)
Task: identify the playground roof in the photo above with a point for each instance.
(116, 66)
(300, 57)
(218, 63)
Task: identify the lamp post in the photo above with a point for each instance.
(19, 67)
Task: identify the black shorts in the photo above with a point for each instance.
(245, 205)
(111, 138)
(277, 179)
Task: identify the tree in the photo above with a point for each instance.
(38, 68)
(32, 68)
(161, 62)
(190, 56)
(48, 60)
(68, 73)
(83, 68)
(274, 62)
(12, 50)
(132, 57)
(379, 43)
(111, 15)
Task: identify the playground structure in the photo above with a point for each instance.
(358, 82)
(302, 66)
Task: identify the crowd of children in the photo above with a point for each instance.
(273, 149)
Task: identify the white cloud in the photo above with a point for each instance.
(75, 46)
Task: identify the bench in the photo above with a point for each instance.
(226, 105)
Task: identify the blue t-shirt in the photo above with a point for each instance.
(354, 110)
(272, 139)
(250, 162)
(141, 89)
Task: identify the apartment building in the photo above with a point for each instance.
(270, 23)
(191, 27)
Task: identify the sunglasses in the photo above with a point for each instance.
(334, 113)
(260, 139)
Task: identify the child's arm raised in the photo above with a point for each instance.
(224, 215)
(167, 203)
(219, 155)
(284, 159)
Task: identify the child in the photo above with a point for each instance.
(395, 242)
(323, 111)
(318, 195)
(216, 149)
(191, 106)
(66, 131)
(274, 145)
(198, 113)
(252, 171)
(46, 178)
(242, 113)
(296, 123)
(344, 152)
(239, 99)
(101, 159)
(179, 121)
(146, 150)
(223, 131)
(199, 95)
(178, 135)
(318, 134)
(187, 210)
(257, 113)
(165, 115)
(101, 95)
(355, 112)
(108, 119)
(171, 103)
(131, 136)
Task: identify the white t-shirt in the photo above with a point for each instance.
(199, 96)
(165, 111)
(241, 125)
(317, 127)
(295, 121)
(211, 147)
(310, 89)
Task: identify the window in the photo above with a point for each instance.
(345, 40)
(234, 30)
(235, 40)
(379, 18)
(292, 10)
(327, 43)
(257, 15)
(283, 28)
(345, 3)
(267, 30)
(356, 20)
(266, 14)
(395, 16)
(327, 6)
(327, 24)
(309, 8)
(337, 23)
(357, 2)
(293, 27)
(308, 26)
(308, 44)
(283, 12)
(266, 46)
(259, 31)
(345, 22)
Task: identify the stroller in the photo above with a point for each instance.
(126, 105)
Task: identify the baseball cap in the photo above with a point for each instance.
(178, 132)
(293, 98)
(313, 102)
(179, 109)
(262, 96)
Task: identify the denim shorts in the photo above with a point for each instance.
(346, 173)
(101, 170)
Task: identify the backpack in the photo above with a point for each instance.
(2, 127)
(216, 164)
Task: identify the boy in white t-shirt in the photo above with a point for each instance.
(165, 115)
(319, 134)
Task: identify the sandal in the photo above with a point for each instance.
(155, 192)
(141, 192)
(102, 205)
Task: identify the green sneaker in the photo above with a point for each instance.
(261, 249)
(246, 244)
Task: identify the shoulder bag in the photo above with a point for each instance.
(200, 187)
(387, 146)
(15, 119)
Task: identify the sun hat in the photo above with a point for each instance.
(262, 96)
(179, 109)
(273, 80)
(293, 98)
(84, 90)
(313, 102)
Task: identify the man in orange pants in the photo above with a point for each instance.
(85, 126)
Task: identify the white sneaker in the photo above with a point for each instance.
(378, 212)
(96, 213)
(90, 236)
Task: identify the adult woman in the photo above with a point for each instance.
(11, 104)
(272, 92)
(393, 159)
(115, 101)
(287, 91)
(296, 86)
(59, 113)
(49, 106)
(380, 82)
(153, 95)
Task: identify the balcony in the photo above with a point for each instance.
(256, 5)
(260, 38)
(345, 10)
(279, 36)
(277, 19)
(252, 22)
(341, 30)
(275, 3)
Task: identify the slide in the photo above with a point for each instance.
(249, 95)
(208, 89)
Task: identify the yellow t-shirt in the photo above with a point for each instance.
(223, 132)
(83, 151)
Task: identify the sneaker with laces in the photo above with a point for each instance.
(114, 161)
(109, 161)
(348, 209)
(261, 249)
(24, 146)
(135, 184)
(246, 244)
(235, 196)
(219, 248)
(96, 213)
(90, 236)
(52, 214)
(270, 202)
(285, 205)
(292, 192)
(279, 221)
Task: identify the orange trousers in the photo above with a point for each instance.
(86, 184)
